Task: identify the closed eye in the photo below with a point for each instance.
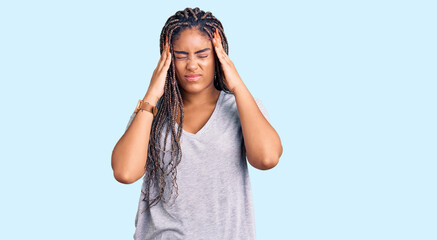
(204, 56)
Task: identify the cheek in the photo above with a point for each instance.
(209, 66)
(179, 67)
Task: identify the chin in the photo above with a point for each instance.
(195, 88)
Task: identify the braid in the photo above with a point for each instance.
(170, 105)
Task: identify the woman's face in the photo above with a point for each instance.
(194, 61)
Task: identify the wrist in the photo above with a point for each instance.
(238, 88)
(151, 99)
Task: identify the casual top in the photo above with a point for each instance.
(214, 193)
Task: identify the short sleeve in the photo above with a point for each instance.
(130, 121)
(262, 109)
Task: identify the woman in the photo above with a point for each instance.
(203, 167)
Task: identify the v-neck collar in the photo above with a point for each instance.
(208, 123)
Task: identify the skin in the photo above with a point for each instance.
(263, 145)
(262, 142)
(194, 54)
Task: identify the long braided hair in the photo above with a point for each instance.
(170, 104)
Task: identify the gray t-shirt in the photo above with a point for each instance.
(214, 192)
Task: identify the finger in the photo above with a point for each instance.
(164, 55)
(163, 49)
(164, 46)
(218, 35)
(168, 59)
(220, 53)
(219, 39)
(161, 58)
(219, 47)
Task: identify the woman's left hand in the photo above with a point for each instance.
(232, 78)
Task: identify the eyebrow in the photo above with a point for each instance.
(200, 51)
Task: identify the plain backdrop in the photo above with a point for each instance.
(350, 86)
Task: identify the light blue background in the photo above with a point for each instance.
(350, 86)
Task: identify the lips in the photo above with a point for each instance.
(192, 77)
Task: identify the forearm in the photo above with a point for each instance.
(262, 142)
(130, 153)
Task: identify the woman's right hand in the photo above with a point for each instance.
(157, 83)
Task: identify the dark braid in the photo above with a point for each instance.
(171, 103)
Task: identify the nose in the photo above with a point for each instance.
(192, 64)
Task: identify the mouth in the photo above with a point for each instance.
(192, 77)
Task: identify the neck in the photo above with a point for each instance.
(207, 97)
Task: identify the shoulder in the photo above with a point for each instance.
(229, 103)
(229, 100)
